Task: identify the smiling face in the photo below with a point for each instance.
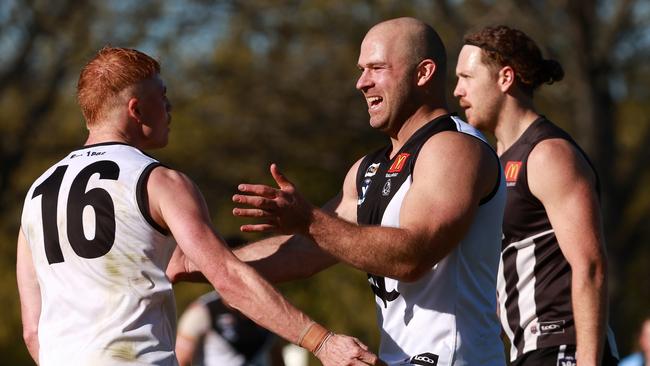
(387, 78)
(477, 89)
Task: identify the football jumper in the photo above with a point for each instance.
(534, 283)
(100, 260)
(448, 316)
(224, 336)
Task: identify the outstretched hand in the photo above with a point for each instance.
(281, 209)
(343, 350)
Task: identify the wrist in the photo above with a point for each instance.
(313, 337)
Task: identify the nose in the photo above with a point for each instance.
(458, 90)
(364, 81)
(169, 106)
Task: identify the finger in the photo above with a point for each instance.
(358, 363)
(257, 228)
(255, 201)
(258, 190)
(368, 357)
(251, 212)
(360, 344)
(280, 179)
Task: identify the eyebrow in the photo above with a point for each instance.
(372, 64)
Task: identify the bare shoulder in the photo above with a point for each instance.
(452, 143)
(170, 183)
(162, 177)
(557, 164)
(171, 195)
(461, 158)
(550, 150)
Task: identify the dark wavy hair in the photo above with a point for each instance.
(505, 46)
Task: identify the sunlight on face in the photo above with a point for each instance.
(476, 89)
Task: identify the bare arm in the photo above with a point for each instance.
(285, 258)
(30, 295)
(192, 327)
(177, 204)
(290, 257)
(431, 224)
(563, 181)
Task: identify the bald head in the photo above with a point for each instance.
(414, 40)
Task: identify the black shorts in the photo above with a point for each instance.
(564, 355)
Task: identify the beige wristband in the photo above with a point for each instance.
(313, 336)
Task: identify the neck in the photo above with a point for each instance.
(418, 119)
(512, 122)
(107, 131)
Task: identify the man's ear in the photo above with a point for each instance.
(507, 78)
(134, 112)
(425, 71)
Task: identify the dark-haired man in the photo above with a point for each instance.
(552, 281)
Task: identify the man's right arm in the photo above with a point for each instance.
(290, 257)
(176, 204)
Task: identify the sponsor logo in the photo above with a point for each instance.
(567, 361)
(551, 327)
(372, 170)
(88, 153)
(512, 172)
(427, 359)
(386, 190)
(364, 190)
(392, 175)
(398, 163)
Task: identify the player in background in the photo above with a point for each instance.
(552, 281)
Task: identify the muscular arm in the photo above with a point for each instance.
(30, 295)
(565, 184)
(177, 204)
(431, 224)
(285, 258)
(291, 257)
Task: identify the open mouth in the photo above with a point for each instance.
(374, 102)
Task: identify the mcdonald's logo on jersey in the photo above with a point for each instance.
(512, 172)
(399, 163)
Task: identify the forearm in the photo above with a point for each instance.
(285, 258)
(385, 251)
(242, 288)
(589, 297)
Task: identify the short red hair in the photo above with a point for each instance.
(107, 74)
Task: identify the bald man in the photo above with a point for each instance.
(422, 215)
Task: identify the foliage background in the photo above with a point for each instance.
(254, 82)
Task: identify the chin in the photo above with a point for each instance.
(378, 124)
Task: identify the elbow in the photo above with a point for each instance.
(411, 272)
(592, 271)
